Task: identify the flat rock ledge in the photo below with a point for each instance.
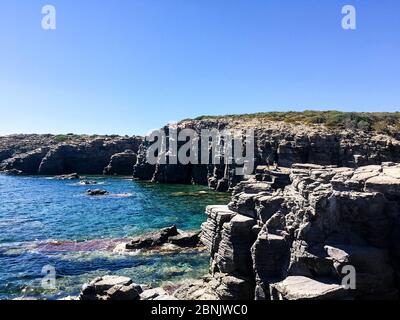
(303, 288)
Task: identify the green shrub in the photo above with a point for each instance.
(61, 138)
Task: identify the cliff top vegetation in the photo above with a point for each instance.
(366, 121)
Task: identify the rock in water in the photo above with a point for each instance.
(72, 176)
(87, 182)
(185, 239)
(153, 239)
(97, 192)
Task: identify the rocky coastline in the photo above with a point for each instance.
(277, 144)
(319, 201)
(295, 243)
(54, 155)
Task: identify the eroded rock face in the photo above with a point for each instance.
(28, 162)
(89, 157)
(47, 155)
(303, 236)
(121, 163)
(277, 144)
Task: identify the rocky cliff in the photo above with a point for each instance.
(281, 144)
(301, 242)
(56, 155)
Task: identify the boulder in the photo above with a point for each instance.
(303, 288)
(110, 288)
(153, 239)
(97, 192)
(185, 239)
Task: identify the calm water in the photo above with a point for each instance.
(50, 222)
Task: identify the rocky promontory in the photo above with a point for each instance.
(66, 154)
(303, 241)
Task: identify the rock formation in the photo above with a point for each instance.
(121, 163)
(299, 242)
(47, 155)
(169, 235)
(119, 288)
(110, 288)
(276, 144)
(97, 192)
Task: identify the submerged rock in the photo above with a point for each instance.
(97, 192)
(87, 182)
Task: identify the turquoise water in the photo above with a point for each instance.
(51, 222)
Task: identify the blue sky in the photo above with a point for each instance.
(128, 66)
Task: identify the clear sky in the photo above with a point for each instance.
(128, 66)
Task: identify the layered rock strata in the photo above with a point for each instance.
(299, 242)
(276, 144)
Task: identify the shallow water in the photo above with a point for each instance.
(52, 222)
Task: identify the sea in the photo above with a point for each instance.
(52, 228)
